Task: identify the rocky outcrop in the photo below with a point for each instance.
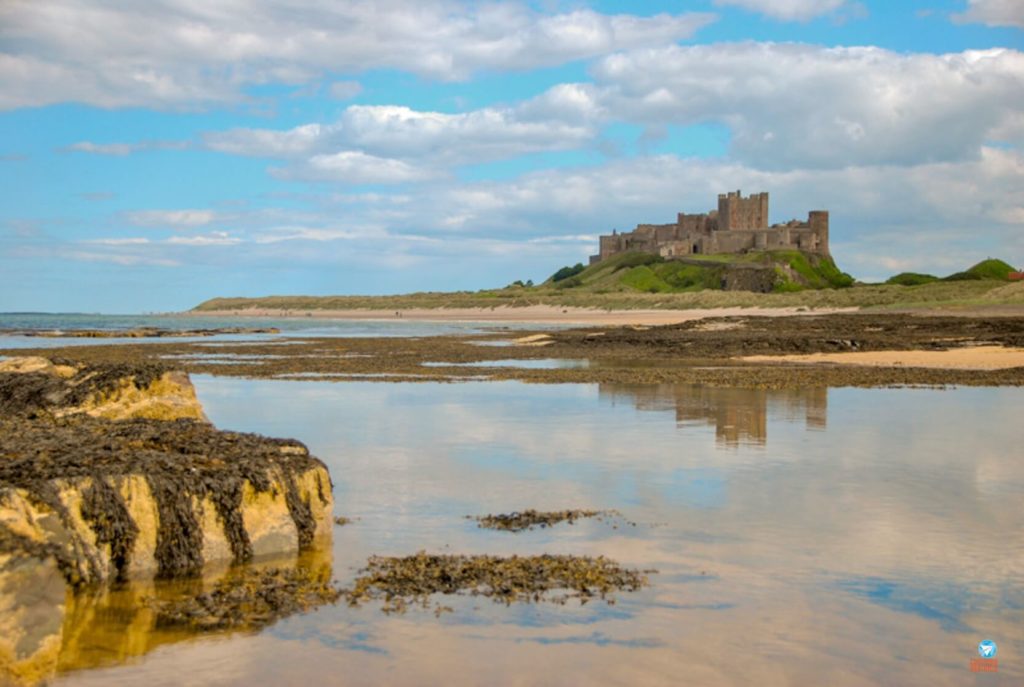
(33, 387)
(113, 473)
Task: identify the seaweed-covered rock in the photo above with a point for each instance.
(140, 497)
(33, 387)
(112, 472)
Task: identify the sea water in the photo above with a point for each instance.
(810, 537)
(289, 326)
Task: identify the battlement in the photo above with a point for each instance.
(738, 225)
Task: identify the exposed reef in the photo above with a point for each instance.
(708, 352)
(401, 581)
(138, 333)
(36, 387)
(110, 473)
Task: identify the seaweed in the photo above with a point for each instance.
(247, 599)
(517, 521)
(105, 511)
(183, 461)
(401, 581)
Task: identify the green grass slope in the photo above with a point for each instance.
(911, 279)
(639, 280)
(644, 272)
(986, 269)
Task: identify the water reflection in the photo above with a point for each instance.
(738, 415)
(64, 631)
(878, 548)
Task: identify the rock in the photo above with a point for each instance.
(33, 598)
(113, 473)
(147, 497)
(35, 386)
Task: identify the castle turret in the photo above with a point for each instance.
(818, 221)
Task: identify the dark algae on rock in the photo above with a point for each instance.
(401, 581)
(123, 448)
(181, 460)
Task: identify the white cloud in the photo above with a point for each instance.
(182, 219)
(792, 105)
(435, 138)
(787, 10)
(135, 241)
(121, 259)
(353, 167)
(216, 238)
(186, 54)
(267, 142)
(785, 106)
(934, 217)
(122, 149)
(993, 13)
(117, 149)
(343, 90)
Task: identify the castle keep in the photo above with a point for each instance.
(737, 226)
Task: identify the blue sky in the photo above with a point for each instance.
(153, 155)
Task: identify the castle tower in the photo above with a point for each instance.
(818, 221)
(736, 212)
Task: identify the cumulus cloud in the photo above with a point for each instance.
(180, 219)
(933, 217)
(787, 10)
(792, 105)
(785, 106)
(993, 13)
(398, 132)
(353, 167)
(292, 142)
(183, 54)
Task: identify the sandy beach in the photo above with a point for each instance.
(542, 314)
(967, 358)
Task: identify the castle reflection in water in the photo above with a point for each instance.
(740, 416)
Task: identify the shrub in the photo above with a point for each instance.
(911, 279)
(567, 272)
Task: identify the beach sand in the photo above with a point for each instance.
(541, 314)
(967, 358)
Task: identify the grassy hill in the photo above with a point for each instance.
(638, 280)
(771, 271)
(990, 269)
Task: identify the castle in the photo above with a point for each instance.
(739, 225)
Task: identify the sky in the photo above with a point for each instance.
(156, 154)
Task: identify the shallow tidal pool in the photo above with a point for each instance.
(823, 536)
